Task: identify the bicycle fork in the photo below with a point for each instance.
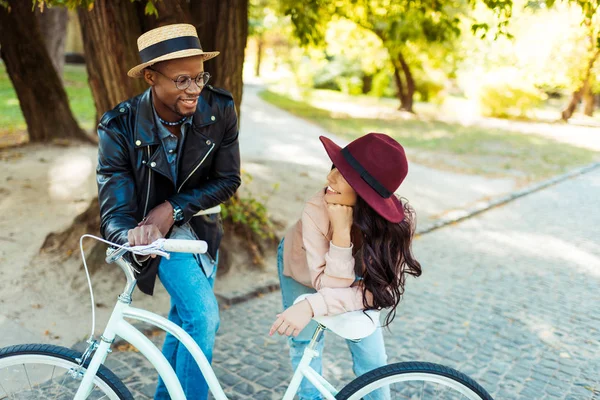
(100, 351)
(305, 371)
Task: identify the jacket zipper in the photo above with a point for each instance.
(197, 166)
(149, 183)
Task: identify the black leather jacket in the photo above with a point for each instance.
(133, 174)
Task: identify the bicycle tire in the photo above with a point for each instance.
(54, 356)
(412, 371)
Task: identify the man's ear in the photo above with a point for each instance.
(149, 77)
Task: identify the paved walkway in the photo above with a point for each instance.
(279, 147)
(509, 297)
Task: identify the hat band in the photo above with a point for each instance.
(169, 46)
(365, 175)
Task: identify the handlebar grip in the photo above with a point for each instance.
(212, 210)
(185, 246)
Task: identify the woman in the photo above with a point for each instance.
(351, 249)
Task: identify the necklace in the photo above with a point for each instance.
(181, 121)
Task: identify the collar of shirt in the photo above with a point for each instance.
(163, 132)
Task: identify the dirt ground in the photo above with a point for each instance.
(42, 189)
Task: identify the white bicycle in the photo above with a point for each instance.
(42, 371)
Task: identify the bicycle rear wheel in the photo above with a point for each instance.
(42, 371)
(415, 381)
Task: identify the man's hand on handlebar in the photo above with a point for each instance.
(143, 235)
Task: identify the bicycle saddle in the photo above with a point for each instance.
(353, 325)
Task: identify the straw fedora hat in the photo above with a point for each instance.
(167, 43)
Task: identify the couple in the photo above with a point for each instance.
(173, 151)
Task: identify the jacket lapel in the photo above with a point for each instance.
(200, 138)
(145, 131)
(146, 134)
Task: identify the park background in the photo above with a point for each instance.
(492, 99)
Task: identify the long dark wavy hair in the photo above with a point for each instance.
(386, 256)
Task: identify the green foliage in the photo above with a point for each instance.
(422, 33)
(261, 16)
(429, 91)
(506, 101)
(351, 85)
(383, 85)
(150, 8)
(249, 215)
(506, 93)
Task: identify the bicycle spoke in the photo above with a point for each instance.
(27, 375)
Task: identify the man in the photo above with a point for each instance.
(163, 156)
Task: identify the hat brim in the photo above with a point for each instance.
(391, 208)
(137, 71)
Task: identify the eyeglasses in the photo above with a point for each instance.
(182, 82)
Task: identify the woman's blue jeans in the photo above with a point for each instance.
(194, 308)
(367, 354)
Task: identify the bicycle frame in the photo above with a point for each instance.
(118, 326)
(304, 370)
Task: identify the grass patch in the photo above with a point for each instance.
(78, 91)
(452, 146)
(80, 95)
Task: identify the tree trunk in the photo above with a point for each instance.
(367, 83)
(404, 94)
(53, 24)
(568, 112)
(585, 87)
(399, 85)
(43, 99)
(260, 41)
(110, 31)
(589, 102)
(223, 26)
(408, 98)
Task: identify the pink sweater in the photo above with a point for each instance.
(311, 259)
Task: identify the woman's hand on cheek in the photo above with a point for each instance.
(293, 320)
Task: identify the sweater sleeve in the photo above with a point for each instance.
(333, 301)
(329, 266)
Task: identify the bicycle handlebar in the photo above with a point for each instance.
(163, 246)
(184, 246)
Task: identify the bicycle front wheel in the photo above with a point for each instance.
(42, 371)
(414, 381)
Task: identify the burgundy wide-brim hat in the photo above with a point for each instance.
(374, 165)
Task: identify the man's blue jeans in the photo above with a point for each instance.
(367, 354)
(193, 307)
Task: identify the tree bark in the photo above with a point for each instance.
(367, 83)
(408, 98)
(405, 84)
(53, 24)
(585, 86)
(589, 102)
(110, 31)
(399, 85)
(260, 41)
(43, 99)
(223, 26)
